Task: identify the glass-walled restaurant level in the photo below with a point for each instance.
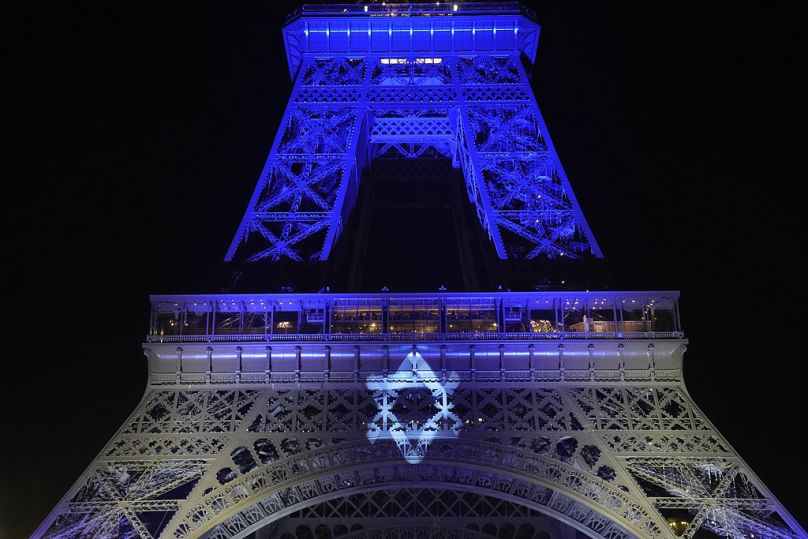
(509, 315)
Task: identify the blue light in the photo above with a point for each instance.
(501, 145)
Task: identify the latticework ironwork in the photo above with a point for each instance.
(240, 432)
(469, 99)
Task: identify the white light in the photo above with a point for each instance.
(415, 441)
(454, 7)
(366, 9)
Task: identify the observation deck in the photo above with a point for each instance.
(442, 27)
(392, 9)
(496, 337)
(418, 316)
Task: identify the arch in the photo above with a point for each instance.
(417, 531)
(276, 489)
(564, 509)
(418, 513)
(443, 532)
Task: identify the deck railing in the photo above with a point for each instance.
(373, 337)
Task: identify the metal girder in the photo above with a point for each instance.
(612, 459)
(479, 109)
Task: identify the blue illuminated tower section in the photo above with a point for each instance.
(406, 79)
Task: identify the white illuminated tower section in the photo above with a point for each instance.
(430, 415)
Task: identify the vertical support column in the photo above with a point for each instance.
(327, 373)
(353, 164)
(313, 163)
(470, 163)
(298, 362)
(357, 363)
(245, 227)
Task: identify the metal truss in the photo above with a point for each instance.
(617, 460)
(413, 512)
(590, 431)
(477, 109)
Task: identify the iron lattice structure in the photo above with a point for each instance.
(405, 80)
(416, 416)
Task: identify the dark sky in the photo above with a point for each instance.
(145, 126)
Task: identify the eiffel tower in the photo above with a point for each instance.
(437, 415)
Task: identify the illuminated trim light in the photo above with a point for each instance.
(398, 61)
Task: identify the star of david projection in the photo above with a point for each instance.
(413, 407)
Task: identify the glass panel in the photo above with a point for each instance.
(285, 322)
(471, 317)
(228, 318)
(313, 320)
(168, 321)
(601, 315)
(662, 314)
(196, 318)
(256, 317)
(355, 318)
(635, 315)
(417, 316)
(543, 316)
(573, 315)
(255, 322)
(514, 318)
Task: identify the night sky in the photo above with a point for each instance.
(145, 125)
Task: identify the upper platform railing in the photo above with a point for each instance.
(422, 317)
(438, 28)
(409, 10)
